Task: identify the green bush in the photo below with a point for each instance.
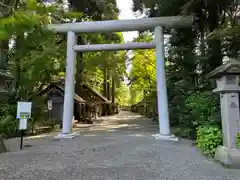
(202, 108)
(8, 121)
(238, 141)
(208, 139)
(8, 126)
(191, 109)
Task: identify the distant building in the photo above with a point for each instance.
(97, 102)
(88, 103)
(55, 93)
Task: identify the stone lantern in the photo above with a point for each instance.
(228, 86)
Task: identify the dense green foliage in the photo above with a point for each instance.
(143, 72)
(123, 95)
(8, 122)
(238, 140)
(200, 109)
(208, 139)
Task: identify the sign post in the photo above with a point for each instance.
(23, 114)
(50, 111)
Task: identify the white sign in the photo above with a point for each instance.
(24, 110)
(49, 104)
(23, 124)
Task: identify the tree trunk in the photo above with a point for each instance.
(3, 54)
(2, 146)
(113, 90)
(214, 46)
(105, 83)
(108, 86)
(79, 76)
(17, 69)
(80, 67)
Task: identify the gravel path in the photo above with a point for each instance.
(119, 147)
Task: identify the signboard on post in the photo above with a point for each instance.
(49, 104)
(24, 110)
(50, 111)
(23, 113)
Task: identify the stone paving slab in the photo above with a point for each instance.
(116, 155)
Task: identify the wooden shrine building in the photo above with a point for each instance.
(55, 93)
(96, 104)
(88, 103)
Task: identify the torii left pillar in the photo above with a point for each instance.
(68, 106)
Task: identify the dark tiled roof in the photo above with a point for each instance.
(61, 88)
(76, 97)
(230, 67)
(97, 94)
(85, 97)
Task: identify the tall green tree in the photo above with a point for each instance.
(143, 71)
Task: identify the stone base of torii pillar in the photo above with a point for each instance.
(66, 136)
(165, 137)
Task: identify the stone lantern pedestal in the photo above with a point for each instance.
(228, 86)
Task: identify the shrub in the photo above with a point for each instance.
(238, 141)
(8, 126)
(202, 108)
(208, 139)
(8, 121)
(193, 109)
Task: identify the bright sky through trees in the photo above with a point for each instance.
(125, 7)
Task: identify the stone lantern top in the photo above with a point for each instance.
(231, 67)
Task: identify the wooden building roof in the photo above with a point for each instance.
(60, 87)
(92, 96)
(85, 95)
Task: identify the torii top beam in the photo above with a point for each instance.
(123, 25)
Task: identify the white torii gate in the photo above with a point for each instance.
(119, 26)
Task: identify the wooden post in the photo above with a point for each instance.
(108, 86)
(105, 83)
(113, 90)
